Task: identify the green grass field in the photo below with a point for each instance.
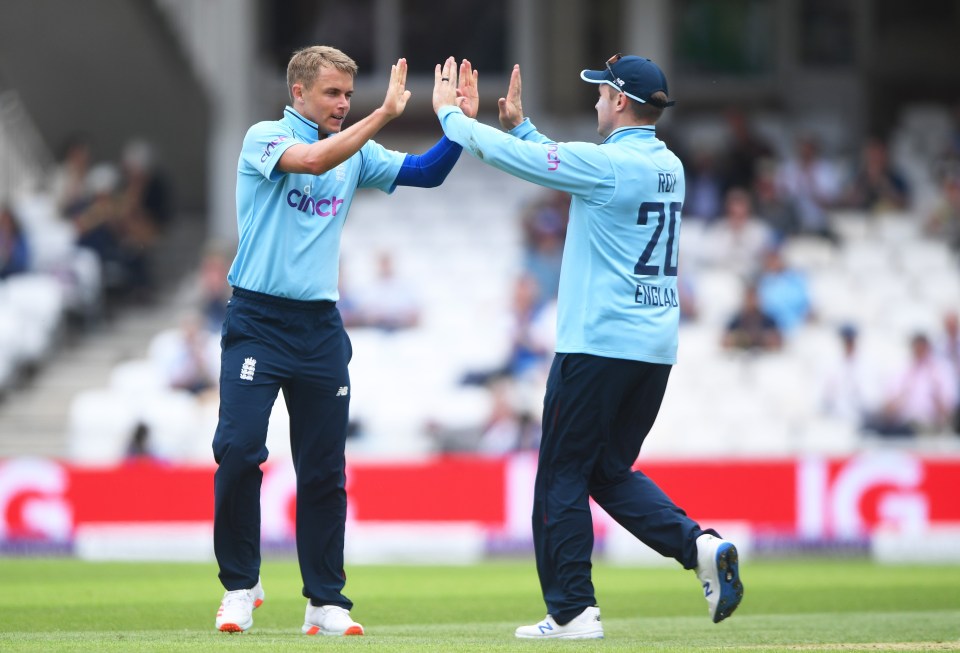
(68, 605)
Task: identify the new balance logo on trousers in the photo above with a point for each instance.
(343, 391)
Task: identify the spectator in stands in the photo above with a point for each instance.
(389, 303)
(145, 209)
(770, 204)
(510, 427)
(191, 360)
(101, 225)
(530, 349)
(14, 248)
(951, 155)
(144, 193)
(96, 223)
(704, 196)
(813, 184)
(877, 185)
(140, 449)
(784, 292)
(687, 295)
(737, 241)
(68, 183)
(920, 398)
(347, 304)
(750, 328)
(848, 390)
(948, 347)
(545, 227)
(213, 287)
(943, 222)
(741, 158)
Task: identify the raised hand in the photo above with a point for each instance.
(511, 111)
(397, 94)
(468, 97)
(445, 84)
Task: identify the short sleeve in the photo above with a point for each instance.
(379, 167)
(263, 145)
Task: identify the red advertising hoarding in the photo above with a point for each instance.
(47, 500)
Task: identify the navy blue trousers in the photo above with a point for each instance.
(271, 344)
(597, 413)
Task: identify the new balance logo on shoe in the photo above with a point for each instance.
(719, 575)
(586, 625)
(248, 368)
(343, 391)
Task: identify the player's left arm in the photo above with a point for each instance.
(429, 169)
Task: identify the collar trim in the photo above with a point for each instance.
(313, 127)
(648, 129)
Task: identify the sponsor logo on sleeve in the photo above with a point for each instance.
(553, 157)
(271, 146)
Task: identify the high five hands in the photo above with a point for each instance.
(453, 89)
(397, 94)
(447, 92)
(511, 111)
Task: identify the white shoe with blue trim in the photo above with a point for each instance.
(719, 573)
(585, 625)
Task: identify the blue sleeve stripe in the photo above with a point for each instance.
(429, 169)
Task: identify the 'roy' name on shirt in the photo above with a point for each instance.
(668, 181)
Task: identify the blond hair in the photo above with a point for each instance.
(305, 65)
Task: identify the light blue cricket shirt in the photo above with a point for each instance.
(290, 224)
(618, 279)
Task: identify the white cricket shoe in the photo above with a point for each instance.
(719, 574)
(585, 625)
(236, 609)
(329, 620)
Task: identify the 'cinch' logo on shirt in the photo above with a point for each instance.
(304, 203)
(271, 146)
(553, 157)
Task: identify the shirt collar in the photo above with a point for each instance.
(305, 129)
(631, 131)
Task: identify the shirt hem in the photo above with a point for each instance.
(643, 358)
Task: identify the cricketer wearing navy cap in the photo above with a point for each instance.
(636, 77)
(617, 331)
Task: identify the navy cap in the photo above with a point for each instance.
(636, 77)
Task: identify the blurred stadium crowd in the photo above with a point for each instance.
(819, 300)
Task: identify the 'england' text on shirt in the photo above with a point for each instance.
(655, 296)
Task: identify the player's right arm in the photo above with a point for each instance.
(576, 168)
(328, 153)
